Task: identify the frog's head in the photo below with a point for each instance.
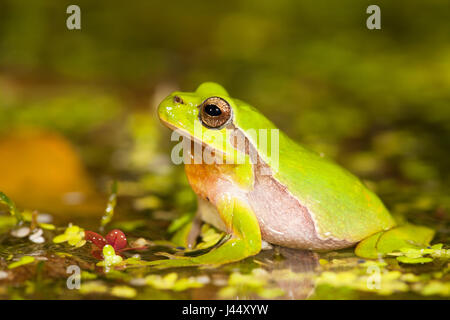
(207, 113)
(202, 115)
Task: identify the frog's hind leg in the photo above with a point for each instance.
(402, 237)
(245, 239)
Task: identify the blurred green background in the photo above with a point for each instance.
(78, 109)
(377, 101)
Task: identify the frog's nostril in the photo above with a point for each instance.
(177, 99)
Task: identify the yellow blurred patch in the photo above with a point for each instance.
(41, 170)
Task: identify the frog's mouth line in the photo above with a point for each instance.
(195, 140)
(247, 146)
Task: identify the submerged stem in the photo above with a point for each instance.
(109, 211)
(11, 207)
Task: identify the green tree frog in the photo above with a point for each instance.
(279, 192)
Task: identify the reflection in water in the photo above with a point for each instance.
(291, 270)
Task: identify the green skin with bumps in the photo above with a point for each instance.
(340, 206)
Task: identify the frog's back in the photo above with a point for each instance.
(341, 206)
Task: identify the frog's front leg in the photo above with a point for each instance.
(194, 232)
(245, 238)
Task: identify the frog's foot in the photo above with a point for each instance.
(173, 261)
(245, 240)
(407, 236)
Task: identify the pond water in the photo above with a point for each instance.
(69, 183)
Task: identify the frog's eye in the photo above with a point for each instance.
(215, 112)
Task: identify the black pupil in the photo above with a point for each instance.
(213, 110)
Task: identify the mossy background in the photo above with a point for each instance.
(77, 107)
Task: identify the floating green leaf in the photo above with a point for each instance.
(23, 261)
(110, 258)
(172, 282)
(124, 292)
(74, 235)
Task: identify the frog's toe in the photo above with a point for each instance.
(176, 261)
(170, 256)
(172, 262)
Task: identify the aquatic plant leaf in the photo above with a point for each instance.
(117, 239)
(421, 255)
(93, 287)
(436, 288)
(171, 282)
(47, 226)
(110, 258)
(74, 235)
(23, 261)
(414, 260)
(124, 292)
(97, 239)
